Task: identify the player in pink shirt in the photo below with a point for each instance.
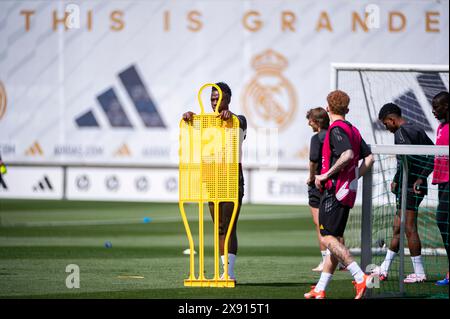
(441, 171)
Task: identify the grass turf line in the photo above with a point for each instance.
(275, 255)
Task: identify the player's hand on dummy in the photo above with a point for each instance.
(188, 116)
(320, 179)
(417, 185)
(225, 115)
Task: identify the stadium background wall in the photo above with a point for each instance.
(90, 110)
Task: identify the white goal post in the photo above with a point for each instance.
(369, 229)
(370, 86)
(335, 67)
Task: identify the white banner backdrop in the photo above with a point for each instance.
(32, 183)
(125, 184)
(122, 184)
(112, 87)
(284, 187)
(279, 187)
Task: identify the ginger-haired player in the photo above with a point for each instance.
(342, 149)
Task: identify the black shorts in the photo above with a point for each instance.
(413, 201)
(314, 197)
(333, 215)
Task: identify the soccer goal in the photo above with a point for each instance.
(370, 225)
(370, 86)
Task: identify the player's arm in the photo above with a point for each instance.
(314, 158)
(342, 161)
(312, 172)
(242, 125)
(343, 147)
(368, 159)
(428, 165)
(396, 179)
(428, 169)
(400, 137)
(366, 165)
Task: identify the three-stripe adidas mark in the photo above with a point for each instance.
(114, 110)
(123, 150)
(34, 149)
(431, 84)
(43, 185)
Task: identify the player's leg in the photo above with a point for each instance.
(332, 261)
(314, 203)
(326, 209)
(413, 238)
(335, 226)
(329, 266)
(225, 215)
(442, 214)
(341, 266)
(383, 270)
(315, 216)
(332, 220)
(442, 220)
(2, 183)
(395, 241)
(340, 253)
(323, 250)
(226, 212)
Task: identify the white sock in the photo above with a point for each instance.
(324, 255)
(390, 255)
(356, 272)
(231, 261)
(418, 265)
(325, 278)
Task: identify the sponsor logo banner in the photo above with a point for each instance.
(32, 183)
(283, 187)
(279, 187)
(122, 184)
(76, 104)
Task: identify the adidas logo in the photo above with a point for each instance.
(321, 227)
(113, 108)
(431, 84)
(34, 149)
(43, 185)
(123, 151)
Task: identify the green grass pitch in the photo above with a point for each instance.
(38, 239)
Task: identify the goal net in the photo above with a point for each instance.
(369, 229)
(370, 86)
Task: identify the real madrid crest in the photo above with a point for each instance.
(269, 99)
